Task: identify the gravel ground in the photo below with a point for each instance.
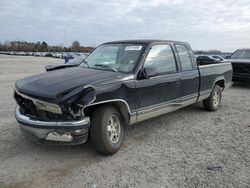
(174, 150)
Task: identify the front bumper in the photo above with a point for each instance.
(51, 132)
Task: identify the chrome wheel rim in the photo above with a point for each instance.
(216, 98)
(114, 129)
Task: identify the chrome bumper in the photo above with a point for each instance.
(51, 132)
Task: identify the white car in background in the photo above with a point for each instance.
(57, 55)
(21, 53)
(36, 54)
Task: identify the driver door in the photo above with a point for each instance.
(161, 90)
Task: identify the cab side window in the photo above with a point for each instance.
(185, 60)
(161, 58)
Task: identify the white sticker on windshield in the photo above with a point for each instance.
(133, 48)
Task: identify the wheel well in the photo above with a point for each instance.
(221, 83)
(121, 106)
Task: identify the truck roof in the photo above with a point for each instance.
(143, 41)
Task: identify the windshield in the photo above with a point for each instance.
(241, 54)
(115, 57)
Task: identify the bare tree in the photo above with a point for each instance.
(75, 46)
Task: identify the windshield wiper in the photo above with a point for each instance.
(106, 67)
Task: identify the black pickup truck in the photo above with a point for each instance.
(119, 83)
(241, 65)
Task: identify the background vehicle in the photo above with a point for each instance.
(36, 54)
(67, 54)
(57, 55)
(29, 53)
(210, 59)
(241, 65)
(49, 54)
(217, 57)
(21, 53)
(122, 82)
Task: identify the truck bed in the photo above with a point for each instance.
(209, 74)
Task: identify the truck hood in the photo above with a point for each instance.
(51, 85)
(240, 61)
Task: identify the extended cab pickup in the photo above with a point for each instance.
(119, 83)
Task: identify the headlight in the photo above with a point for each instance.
(54, 108)
(40, 105)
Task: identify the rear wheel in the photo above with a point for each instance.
(106, 131)
(213, 102)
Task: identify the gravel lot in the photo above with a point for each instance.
(174, 150)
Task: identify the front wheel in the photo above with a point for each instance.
(212, 103)
(106, 130)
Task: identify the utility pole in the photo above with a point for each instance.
(65, 38)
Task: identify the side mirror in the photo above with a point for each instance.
(147, 72)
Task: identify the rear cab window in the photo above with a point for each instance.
(185, 60)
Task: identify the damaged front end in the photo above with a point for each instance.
(62, 122)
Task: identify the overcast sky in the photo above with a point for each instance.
(206, 24)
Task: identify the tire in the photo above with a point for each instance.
(212, 103)
(106, 130)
